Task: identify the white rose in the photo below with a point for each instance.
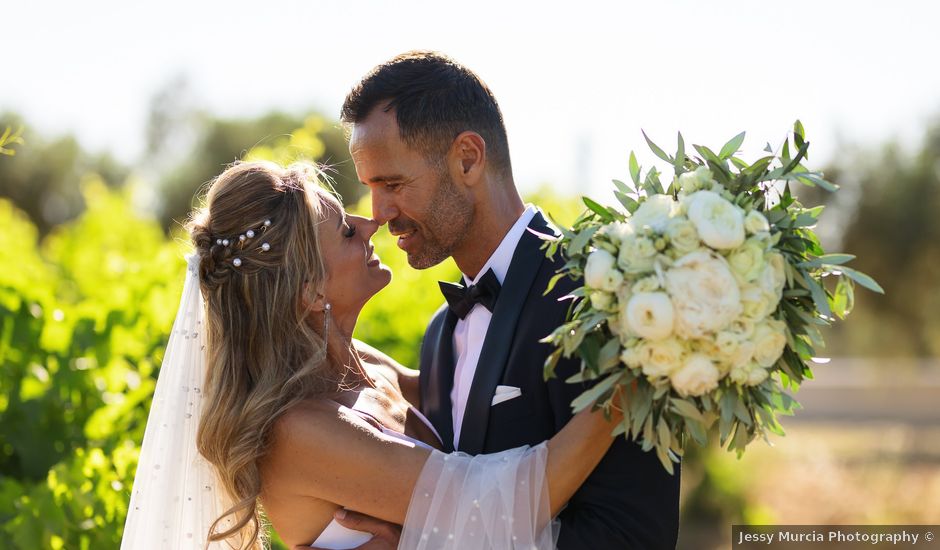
(704, 293)
(650, 315)
(697, 376)
(660, 358)
(636, 254)
(600, 272)
(720, 224)
(747, 261)
(770, 338)
(755, 222)
(756, 303)
(646, 284)
(693, 181)
(682, 235)
(601, 301)
(654, 212)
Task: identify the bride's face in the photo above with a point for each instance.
(353, 270)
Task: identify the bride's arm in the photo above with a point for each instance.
(330, 453)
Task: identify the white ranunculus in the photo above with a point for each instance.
(682, 235)
(748, 374)
(747, 261)
(691, 182)
(756, 303)
(601, 301)
(636, 254)
(616, 232)
(738, 374)
(773, 277)
(631, 357)
(755, 222)
(770, 338)
(698, 375)
(649, 283)
(601, 273)
(756, 375)
(650, 315)
(734, 348)
(660, 358)
(720, 224)
(654, 212)
(704, 293)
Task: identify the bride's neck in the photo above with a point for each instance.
(342, 353)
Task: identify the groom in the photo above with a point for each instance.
(427, 137)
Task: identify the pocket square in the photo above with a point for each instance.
(505, 393)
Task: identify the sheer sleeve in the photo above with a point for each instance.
(481, 502)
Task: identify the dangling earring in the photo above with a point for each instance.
(326, 322)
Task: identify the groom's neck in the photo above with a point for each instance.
(497, 209)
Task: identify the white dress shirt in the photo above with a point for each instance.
(470, 331)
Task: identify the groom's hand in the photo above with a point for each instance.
(385, 534)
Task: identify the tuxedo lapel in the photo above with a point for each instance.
(435, 394)
(499, 336)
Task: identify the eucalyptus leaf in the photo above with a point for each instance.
(656, 149)
(686, 409)
(628, 202)
(588, 398)
(634, 169)
(732, 146)
(598, 209)
(862, 279)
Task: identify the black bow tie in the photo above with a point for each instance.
(461, 299)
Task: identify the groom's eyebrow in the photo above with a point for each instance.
(384, 179)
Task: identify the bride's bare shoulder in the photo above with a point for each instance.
(312, 422)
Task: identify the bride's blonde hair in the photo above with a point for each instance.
(257, 240)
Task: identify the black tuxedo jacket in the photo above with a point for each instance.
(629, 501)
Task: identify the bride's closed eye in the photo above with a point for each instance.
(350, 231)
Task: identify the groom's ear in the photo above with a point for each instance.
(468, 157)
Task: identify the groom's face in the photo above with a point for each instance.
(423, 206)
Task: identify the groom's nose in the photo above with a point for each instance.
(383, 209)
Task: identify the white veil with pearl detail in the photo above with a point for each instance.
(175, 497)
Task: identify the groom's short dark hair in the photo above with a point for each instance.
(435, 99)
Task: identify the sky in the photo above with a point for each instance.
(576, 81)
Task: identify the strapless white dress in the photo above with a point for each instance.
(337, 537)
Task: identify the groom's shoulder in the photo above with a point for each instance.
(438, 316)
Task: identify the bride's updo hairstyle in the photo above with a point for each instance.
(256, 238)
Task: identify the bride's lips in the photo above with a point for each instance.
(372, 260)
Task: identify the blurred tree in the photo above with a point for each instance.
(278, 136)
(894, 230)
(8, 139)
(43, 180)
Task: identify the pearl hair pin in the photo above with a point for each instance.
(250, 234)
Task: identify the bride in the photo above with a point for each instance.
(265, 402)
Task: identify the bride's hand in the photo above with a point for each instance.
(385, 534)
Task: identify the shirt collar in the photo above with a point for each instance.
(500, 259)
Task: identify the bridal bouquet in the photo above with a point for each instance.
(702, 300)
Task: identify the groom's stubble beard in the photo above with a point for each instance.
(448, 222)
